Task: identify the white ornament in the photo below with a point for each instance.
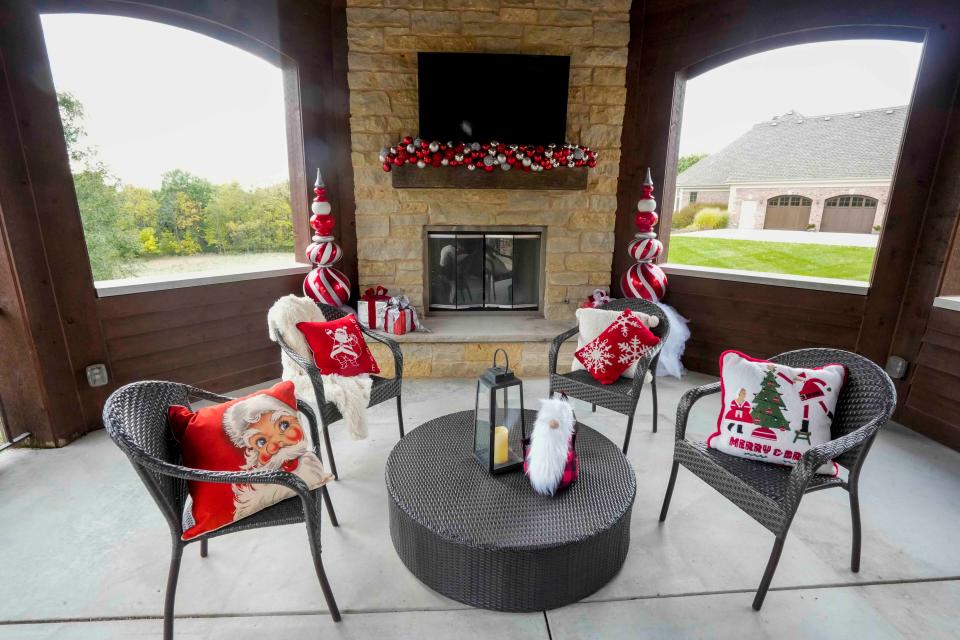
(434, 146)
(444, 162)
(647, 204)
(472, 167)
(505, 166)
(501, 158)
(320, 208)
(526, 161)
(421, 164)
(411, 148)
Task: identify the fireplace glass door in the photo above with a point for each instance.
(476, 271)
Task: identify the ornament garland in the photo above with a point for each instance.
(645, 279)
(486, 156)
(324, 284)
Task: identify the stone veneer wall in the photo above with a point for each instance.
(384, 38)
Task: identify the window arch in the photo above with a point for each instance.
(789, 201)
(851, 201)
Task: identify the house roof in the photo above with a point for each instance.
(791, 147)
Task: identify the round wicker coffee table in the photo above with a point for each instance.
(490, 541)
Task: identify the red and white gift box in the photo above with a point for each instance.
(399, 317)
(372, 306)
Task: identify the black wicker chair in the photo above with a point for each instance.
(135, 416)
(621, 396)
(771, 494)
(383, 388)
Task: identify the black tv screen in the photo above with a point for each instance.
(515, 99)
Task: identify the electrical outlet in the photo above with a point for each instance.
(97, 375)
(896, 367)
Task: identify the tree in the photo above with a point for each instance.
(183, 197)
(768, 404)
(688, 161)
(71, 117)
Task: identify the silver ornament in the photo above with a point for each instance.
(488, 161)
(501, 158)
(411, 148)
(434, 146)
(421, 164)
(471, 167)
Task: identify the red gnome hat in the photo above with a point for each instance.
(811, 387)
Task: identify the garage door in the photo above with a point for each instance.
(849, 214)
(787, 212)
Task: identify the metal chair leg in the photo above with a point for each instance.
(653, 386)
(326, 442)
(326, 501)
(321, 574)
(669, 494)
(626, 439)
(768, 574)
(855, 517)
(203, 548)
(400, 415)
(171, 596)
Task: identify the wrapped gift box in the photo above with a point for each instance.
(371, 307)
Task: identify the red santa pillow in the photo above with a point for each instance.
(617, 348)
(774, 413)
(338, 347)
(258, 432)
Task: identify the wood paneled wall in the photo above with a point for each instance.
(213, 336)
(760, 320)
(932, 402)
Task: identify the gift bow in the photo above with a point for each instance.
(390, 312)
(372, 292)
(399, 302)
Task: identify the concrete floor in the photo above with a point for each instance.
(84, 551)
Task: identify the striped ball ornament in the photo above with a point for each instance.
(327, 285)
(644, 280)
(645, 249)
(324, 254)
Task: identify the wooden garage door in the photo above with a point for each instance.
(787, 212)
(849, 214)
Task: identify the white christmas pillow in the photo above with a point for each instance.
(774, 413)
(592, 322)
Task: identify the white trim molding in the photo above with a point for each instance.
(854, 287)
(126, 286)
(951, 303)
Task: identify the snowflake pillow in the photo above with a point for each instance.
(774, 413)
(592, 322)
(338, 347)
(617, 348)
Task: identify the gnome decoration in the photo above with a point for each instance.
(644, 279)
(324, 284)
(552, 463)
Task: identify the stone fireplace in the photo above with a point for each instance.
(576, 226)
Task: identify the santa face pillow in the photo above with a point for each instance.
(260, 432)
(775, 413)
(338, 347)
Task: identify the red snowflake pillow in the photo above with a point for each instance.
(774, 413)
(260, 432)
(338, 347)
(617, 348)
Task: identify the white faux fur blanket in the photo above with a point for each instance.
(351, 395)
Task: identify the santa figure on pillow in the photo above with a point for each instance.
(272, 439)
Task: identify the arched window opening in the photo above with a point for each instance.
(790, 168)
(177, 143)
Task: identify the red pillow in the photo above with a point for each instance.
(260, 431)
(622, 343)
(338, 347)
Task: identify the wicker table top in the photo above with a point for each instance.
(432, 476)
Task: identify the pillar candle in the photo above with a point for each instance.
(500, 444)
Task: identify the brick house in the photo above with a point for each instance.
(829, 171)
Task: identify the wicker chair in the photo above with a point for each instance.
(383, 388)
(135, 416)
(771, 494)
(621, 396)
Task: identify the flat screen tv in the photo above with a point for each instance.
(515, 99)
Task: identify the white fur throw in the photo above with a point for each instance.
(549, 445)
(351, 395)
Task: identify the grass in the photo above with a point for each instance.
(212, 263)
(820, 261)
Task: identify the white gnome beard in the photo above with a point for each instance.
(250, 498)
(548, 448)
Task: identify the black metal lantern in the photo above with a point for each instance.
(498, 422)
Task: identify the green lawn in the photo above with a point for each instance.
(821, 261)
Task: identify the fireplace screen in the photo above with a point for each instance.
(474, 270)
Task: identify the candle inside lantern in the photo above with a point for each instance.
(500, 444)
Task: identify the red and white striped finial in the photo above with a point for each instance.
(645, 279)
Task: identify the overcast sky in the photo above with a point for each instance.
(159, 98)
(826, 77)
